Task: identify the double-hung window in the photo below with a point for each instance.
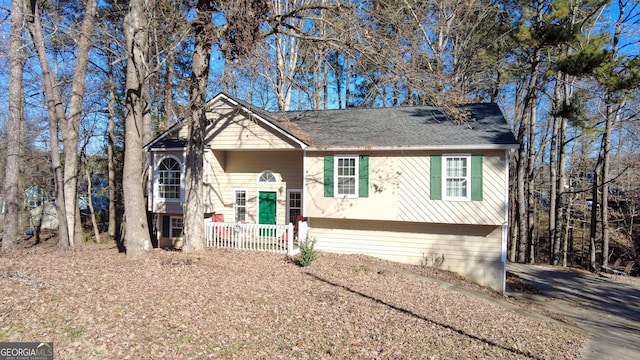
(169, 184)
(346, 176)
(294, 205)
(240, 206)
(176, 226)
(456, 177)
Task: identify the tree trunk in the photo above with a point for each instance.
(287, 50)
(111, 154)
(593, 228)
(194, 205)
(553, 173)
(94, 223)
(168, 112)
(72, 126)
(561, 194)
(557, 165)
(526, 166)
(14, 127)
(611, 121)
(56, 115)
(136, 238)
(612, 114)
(347, 81)
(566, 233)
(604, 202)
(521, 198)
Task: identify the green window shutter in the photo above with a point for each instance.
(328, 176)
(363, 172)
(476, 177)
(165, 226)
(436, 177)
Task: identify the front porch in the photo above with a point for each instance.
(281, 239)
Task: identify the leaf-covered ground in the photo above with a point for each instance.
(94, 303)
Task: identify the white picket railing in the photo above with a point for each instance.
(261, 237)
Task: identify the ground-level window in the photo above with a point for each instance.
(175, 226)
(240, 205)
(456, 177)
(295, 205)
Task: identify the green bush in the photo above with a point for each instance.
(307, 252)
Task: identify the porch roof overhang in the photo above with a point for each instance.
(166, 144)
(167, 149)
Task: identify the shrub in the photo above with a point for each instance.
(432, 261)
(307, 252)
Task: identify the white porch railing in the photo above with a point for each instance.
(260, 237)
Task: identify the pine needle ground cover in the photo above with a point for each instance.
(224, 304)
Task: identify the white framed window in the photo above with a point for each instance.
(240, 205)
(267, 177)
(175, 226)
(169, 178)
(456, 173)
(346, 175)
(294, 205)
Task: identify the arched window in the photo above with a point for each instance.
(267, 177)
(169, 178)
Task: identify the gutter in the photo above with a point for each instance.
(421, 147)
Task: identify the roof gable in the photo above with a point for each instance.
(175, 136)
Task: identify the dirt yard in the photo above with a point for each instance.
(94, 303)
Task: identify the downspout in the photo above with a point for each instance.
(151, 199)
(150, 189)
(505, 224)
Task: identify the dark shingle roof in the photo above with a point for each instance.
(396, 127)
(419, 126)
(169, 143)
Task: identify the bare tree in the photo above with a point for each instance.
(194, 206)
(136, 234)
(111, 153)
(236, 39)
(618, 83)
(68, 123)
(14, 126)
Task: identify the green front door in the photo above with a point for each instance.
(266, 210)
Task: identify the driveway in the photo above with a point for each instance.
(607, 307)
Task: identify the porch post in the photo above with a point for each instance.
(290, 239)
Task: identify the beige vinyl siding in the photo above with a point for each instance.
(380, 204)
(232, 129)
(230, 170)
(399, 188)
(415, 203)
(473, 251)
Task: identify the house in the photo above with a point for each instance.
(405, 184)
(34, 196)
